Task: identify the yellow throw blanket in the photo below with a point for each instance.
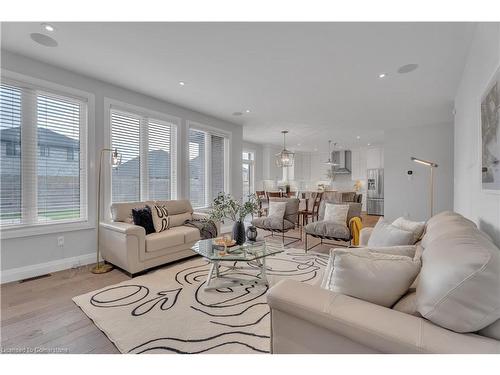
(355, 226)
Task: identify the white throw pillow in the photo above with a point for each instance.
(459, 285)
(407, 250)
(385, 234)
(161, 220)
(277, 209)
(416, 227)
(374, 277)
(336, 213)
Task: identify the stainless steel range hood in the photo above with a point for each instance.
(342, 159)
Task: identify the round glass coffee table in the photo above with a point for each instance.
(236, 258)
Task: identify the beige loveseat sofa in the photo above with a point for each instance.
(127, 246)
(455, 309)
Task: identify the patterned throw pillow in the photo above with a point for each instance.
(161, 221)
(142, 217)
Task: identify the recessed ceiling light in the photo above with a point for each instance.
(358, 137)
(382, 75)
(44, 40)
(182, 83)
(237, 113)
(48, 27)
(368, 144)
(407, 68)
(247, 111)
(298, 144)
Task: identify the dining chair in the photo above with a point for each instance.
(263, 201)
(311, 211)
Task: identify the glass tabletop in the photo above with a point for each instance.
(246, 252)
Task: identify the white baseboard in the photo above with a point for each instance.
(15, 274)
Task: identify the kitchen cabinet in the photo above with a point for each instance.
(358, 166)
(374, 158)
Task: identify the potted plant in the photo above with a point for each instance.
(226, 206)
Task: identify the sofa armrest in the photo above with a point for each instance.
(123, 244)
(362, 324)
(364, 236)
(204, 215)
(200, 215)
(125, 228)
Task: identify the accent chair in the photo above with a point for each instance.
(328, 230)
(289, 221)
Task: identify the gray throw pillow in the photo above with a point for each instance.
(385, 234)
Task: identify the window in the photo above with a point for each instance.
(39, 185)
(70, 154)
(197, 169)
(148, 157)
(248, 174)
(126, 176)
(208, 166)
(44, 151)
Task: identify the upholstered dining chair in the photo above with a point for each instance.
(328, 230)
(274, 194)
(289, 221)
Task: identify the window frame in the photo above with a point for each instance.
(110, 105)
(87, 139)
(209, 130)
(251, 168)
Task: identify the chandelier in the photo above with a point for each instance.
(285, 158)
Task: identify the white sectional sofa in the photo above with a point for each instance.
(127, 246)
(455, 309)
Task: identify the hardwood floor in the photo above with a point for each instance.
(39, 314)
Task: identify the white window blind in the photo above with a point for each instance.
(207, 166)
(161, 158)
(198, 193)
(148, 165)
(58, 178)
(218, 165)
(126, 176)
(39, 129)
(10, 137)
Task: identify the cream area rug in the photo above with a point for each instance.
(168, 310)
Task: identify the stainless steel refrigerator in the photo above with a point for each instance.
(375, 192)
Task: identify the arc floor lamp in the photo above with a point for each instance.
(115, 161)
(431, 166)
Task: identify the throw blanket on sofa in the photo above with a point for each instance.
(355, 226)
(206, 227)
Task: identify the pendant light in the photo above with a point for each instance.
(330, 159)
(285, 158)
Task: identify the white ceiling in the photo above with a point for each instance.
(319, 80)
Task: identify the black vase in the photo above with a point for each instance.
(239, 232)
(251, 233)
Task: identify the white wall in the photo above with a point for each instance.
(79, 246)
(470, 200)
(404, 197)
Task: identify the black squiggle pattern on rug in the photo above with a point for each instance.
(207, 340)
(166, 299)
(135, 294)
(228, 315)
(242, 325)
